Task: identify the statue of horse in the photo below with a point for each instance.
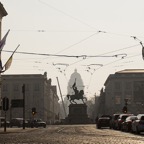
(71, 98)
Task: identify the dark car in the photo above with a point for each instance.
(103, 121)
(2, 122)
(18, 122)
(138, 124)
(113, 121)
(120, 120)
(38, 123)
(127, 124)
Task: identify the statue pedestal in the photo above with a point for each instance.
(77, 114)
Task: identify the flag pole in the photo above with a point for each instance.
(3, 40)
(11, 55)
(15, 50)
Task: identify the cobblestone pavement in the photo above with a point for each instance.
(68, 134)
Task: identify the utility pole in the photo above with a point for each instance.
(5, 105)
(61, 97)
(23, 91)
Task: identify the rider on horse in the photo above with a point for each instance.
(78, 94)
(75, 90)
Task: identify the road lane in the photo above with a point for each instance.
(69, 134)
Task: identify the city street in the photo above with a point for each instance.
(68, 134)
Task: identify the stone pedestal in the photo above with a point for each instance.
(77, 114)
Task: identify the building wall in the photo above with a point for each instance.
(38, 94)
(121, 86)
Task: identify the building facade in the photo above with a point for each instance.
(126, 85)
(39, 94)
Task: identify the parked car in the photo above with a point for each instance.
(18, 122)
(120, 120)
(103, 121)
(113, 121)
(138, 124)
(38, 123)
(127, 124)
(2, 122)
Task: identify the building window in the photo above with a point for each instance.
(36, 87)
(128, 95)
(117, 97)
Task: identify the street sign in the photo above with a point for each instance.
(16, 103)
(5, 103)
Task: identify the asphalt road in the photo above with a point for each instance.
(68, 134)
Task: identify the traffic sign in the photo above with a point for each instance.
(16, 103)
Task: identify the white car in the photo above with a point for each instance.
(138, 124)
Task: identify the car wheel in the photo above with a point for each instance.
(127, 129)
(98, 127)
(131, 130)
(137, 131)
(114, 127)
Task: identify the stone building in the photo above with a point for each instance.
(126, 85)
(39, 94)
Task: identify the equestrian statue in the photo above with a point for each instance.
(78, 95)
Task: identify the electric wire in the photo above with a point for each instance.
(68, 15)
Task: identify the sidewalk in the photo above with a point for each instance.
(15, 130)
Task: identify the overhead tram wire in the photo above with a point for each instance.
(69, 56)
(76, 19)
(86, 38)
(72, 56)
(135, 38)
(113, 51)
(68, 15)
(78, 42)
(107, 65)
(58, 10)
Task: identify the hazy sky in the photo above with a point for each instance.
(93, 32)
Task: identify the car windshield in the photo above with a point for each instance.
(142, 118)
(124, 117)
(116, 117)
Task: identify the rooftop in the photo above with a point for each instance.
(131, 71)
